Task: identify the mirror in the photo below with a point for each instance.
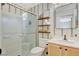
(66, 16)
(65, 21)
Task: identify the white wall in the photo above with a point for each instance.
(68, 31)
(54, 31)
(38, 11)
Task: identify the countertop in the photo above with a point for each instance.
(70, 43)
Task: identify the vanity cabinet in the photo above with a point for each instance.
(61, 50)
(71, 51)
(54, 50)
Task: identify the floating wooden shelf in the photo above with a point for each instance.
(43, 32)
(43, 25)
(42, 18)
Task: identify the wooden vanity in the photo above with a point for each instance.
(62, 49)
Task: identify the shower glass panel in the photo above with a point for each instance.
(29, 33)
(11, 31)
(18, 33)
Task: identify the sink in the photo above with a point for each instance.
(68, 42)
(65, 41)
(75, 42)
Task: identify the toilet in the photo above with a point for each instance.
(38, 51)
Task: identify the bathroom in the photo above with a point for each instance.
(33, 29)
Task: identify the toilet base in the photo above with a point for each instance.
(37, 51)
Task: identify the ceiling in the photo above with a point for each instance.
(25, 5)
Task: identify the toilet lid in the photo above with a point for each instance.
(37, 50)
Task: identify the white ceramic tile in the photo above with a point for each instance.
(12, 9)
(5, 8)
(67, 32)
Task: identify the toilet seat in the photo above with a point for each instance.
(37, 50)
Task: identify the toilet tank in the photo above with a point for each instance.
(43, 42)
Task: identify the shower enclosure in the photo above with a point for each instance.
(29, 33)
(19, 33)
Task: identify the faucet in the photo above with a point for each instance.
(75, 35)
(65, 37)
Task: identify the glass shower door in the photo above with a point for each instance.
(11, 30)
(29, 33)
